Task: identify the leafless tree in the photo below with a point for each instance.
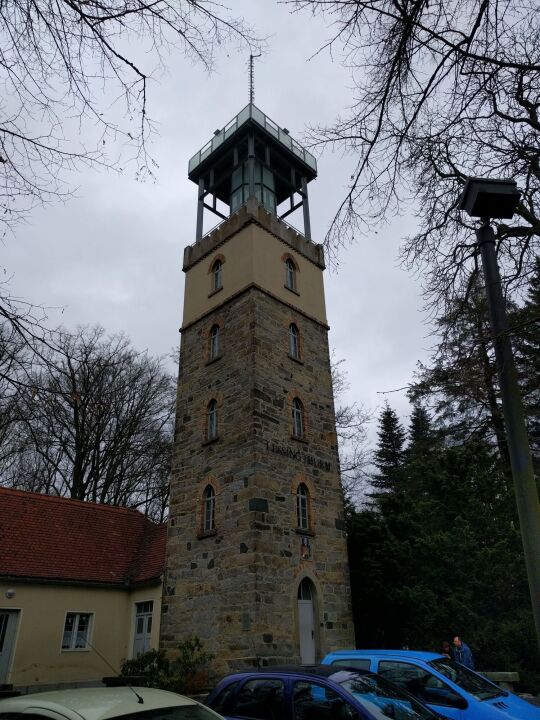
(443, 89)
(74, 76)
(95, 423)
(351, 422)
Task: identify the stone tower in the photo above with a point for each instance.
(256, 555)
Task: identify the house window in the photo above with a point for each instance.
(214, 342)
(294, 342)
(76, 631)
(290, 274)
(209, 509)
(216, 275)
(298, 418)
(212, 425)
(302, 507)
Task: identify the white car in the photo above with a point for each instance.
(128, 703)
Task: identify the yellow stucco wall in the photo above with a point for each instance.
(38, 657)
(253, 255)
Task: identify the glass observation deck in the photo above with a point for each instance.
(251, 112)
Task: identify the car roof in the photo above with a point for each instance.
(96, 703)
(322, 671)
(411, 654)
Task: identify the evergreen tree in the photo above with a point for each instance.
(445, 558)
(439, 552)
(422, 467)
(421, 432)
(460, 385)
(389, 454)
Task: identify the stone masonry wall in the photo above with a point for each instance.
(237, 588)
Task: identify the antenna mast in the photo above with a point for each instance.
(252, 78)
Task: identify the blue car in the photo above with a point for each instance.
(313, 692)
(447, 687)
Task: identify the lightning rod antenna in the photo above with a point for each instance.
(252, 78)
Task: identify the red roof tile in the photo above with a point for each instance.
(47, 537)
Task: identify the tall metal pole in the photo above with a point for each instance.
(514, 417)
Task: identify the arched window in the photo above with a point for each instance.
(305, 591)
(290, 274)
(212, 420)
(209, 509)
(297, 418)
(214, 342)
(302, 507)
(216, 275)
(294, 342)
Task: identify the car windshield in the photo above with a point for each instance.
(472, 683)
(381, 698)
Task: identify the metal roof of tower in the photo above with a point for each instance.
(251, 116)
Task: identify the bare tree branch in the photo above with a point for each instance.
(61, 61)
(442, 90)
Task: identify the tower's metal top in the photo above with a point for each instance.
(252, 114)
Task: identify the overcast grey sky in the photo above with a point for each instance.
(113, 254)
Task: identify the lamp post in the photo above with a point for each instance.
(489, 199)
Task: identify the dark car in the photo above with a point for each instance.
(314, 692)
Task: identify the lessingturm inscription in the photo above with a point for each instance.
(299, 455)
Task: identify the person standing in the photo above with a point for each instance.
(446, 649)
(462, 653)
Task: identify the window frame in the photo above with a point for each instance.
(423, 676)
(294, 341)
(214, 342)
(212, 420)
(303, 519)
(298, 419)
(208, 524)
(290, 274)
(305, 691)
(262, 680)
(217, 276)
(305, 589)
(72, 647)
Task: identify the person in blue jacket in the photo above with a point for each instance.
(462, 653)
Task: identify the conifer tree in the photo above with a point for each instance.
(421, 434)
(460, 384)
(389, 455)
(439, 550)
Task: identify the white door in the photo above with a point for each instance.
(306, 625)
(8, 625)
(143, 627)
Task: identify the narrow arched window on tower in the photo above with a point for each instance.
(212, 420)
(290, 274)
(294, 342)
(298, 418)
(209, 509)
(305, 591)
(214, 342)
(216, 275)
(302, 507)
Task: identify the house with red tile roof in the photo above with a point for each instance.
(80, 588)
